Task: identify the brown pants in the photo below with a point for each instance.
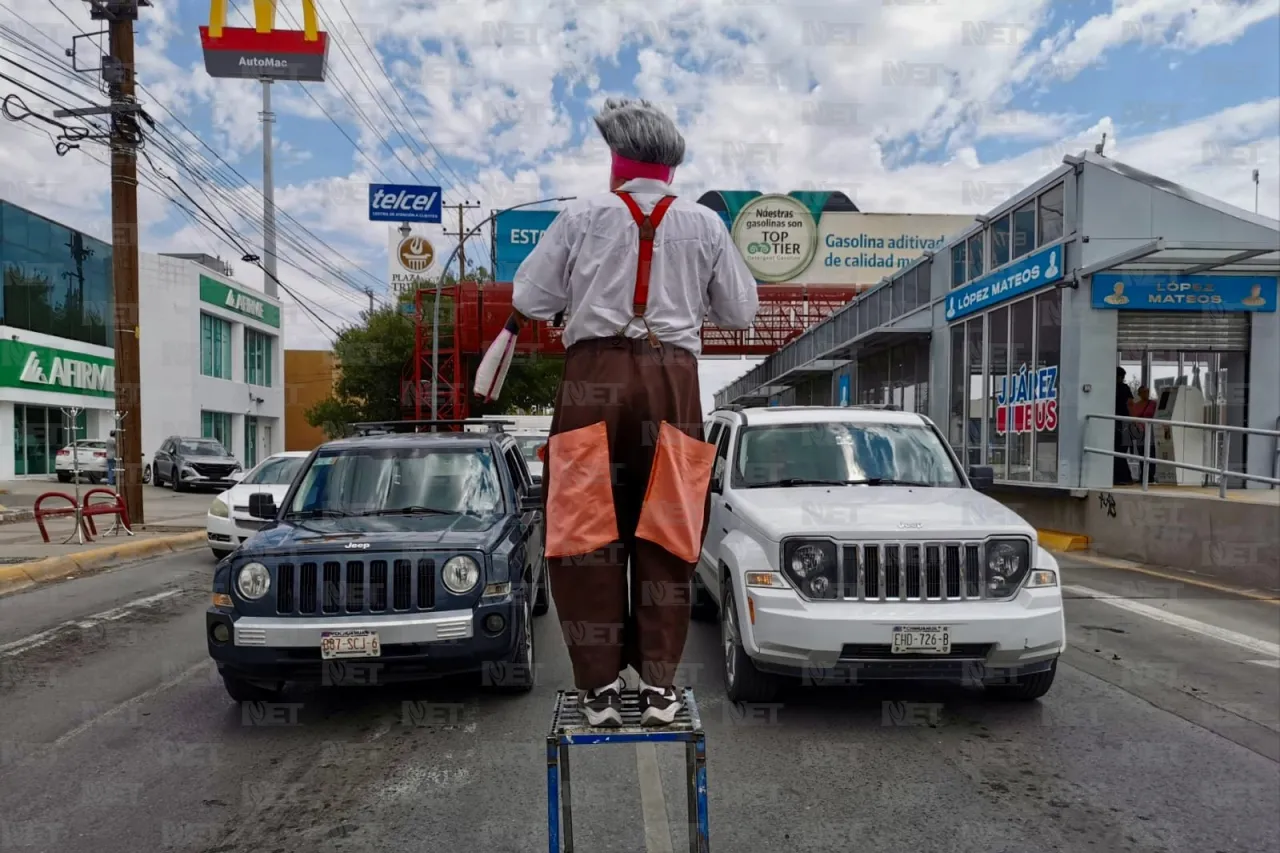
(632, 387)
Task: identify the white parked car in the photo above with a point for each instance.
(848, 544)
(529, 442)
(229, 523)
(92, 461)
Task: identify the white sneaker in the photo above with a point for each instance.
(603, 707)
(658, 706)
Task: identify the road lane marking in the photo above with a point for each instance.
(143, 696)
(653, 805)
(1124, 566)
(1195, 626)
(33, 641)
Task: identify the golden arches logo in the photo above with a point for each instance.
(264, 15)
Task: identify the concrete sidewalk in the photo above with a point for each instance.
(162, 506)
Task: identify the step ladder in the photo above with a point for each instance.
(570, 728)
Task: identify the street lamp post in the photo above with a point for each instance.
(435, 319)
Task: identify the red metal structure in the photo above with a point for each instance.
(472, 315)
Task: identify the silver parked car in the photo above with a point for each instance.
(90, 458)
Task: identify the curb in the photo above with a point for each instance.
(24, 575)
(1056, 540)
(13, 516)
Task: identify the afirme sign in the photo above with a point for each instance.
(38, 368)
(264, 53)
(215, 292)
(401, 203)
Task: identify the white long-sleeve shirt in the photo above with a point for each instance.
(585, 266)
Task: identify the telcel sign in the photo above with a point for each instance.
(399, 203)
(264, 53)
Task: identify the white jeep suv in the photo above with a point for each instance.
(848, 544)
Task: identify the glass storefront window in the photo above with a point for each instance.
(1000, 237)
(1048, 355)
(973, 249)
(215, 347)
(958, 372)
(1050, 219)
(1024, 229)
(1021, 388)
(257, 358)
(216, 425)
(959, 267)
(55, 281)
(997, 373)
(39, 432)
(977, 398)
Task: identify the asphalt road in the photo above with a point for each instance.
(1162, 733)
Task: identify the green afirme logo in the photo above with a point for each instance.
(27, 366)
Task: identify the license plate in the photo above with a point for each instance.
(924, 640)
(349, 644)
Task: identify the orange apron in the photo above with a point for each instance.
(581, 517)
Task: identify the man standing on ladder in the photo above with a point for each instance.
(636, 272)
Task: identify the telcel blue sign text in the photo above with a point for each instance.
(516, 233)
(1165, 292)
(1032, 272)
(403, 203)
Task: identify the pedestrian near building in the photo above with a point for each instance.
(635, 272)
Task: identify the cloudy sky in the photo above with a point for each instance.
(928, 106)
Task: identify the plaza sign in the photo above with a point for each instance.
(264, 53)
(1032, 272)
(38, 368)
(215, 292)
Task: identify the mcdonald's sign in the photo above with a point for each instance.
(264, 52)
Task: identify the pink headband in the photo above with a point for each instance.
(630, 169)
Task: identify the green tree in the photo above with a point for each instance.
(370, 357)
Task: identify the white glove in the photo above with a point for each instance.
(496, 362)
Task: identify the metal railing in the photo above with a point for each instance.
(1147, 461)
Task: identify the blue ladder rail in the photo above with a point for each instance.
(570, 728)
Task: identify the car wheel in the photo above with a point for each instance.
(742, 681)
(94, 479)
(517, 675)
(63, 477)
(146, 474)
(704, 606)
(1026, 688)
(248, 691)
(542, 603)
(176, 482)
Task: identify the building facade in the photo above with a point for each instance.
(1009, 337)
(57, 377)
(309, 378)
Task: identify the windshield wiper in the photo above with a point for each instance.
(798, 481)
(885, 481)
(318, 513)
(411, 510)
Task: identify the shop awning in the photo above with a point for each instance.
(1181, 257)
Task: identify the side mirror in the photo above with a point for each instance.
(262, 505)
(982, 477)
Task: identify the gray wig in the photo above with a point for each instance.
(640, 131)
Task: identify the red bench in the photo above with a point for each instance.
(41, 512)
(115, 506)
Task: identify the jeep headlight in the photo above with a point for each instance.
(460, 574)
(1008, 561)
(253, 581)
(219, 509)
(811, 566)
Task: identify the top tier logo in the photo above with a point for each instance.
(264, 52)
(776, 235)
(400, 203)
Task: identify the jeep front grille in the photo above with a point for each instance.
(916, 571)
(355, 586)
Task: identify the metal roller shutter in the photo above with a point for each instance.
(1189, 332)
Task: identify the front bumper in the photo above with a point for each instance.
(413, 645)
(832, 640)
(199, 481)
(228, 534)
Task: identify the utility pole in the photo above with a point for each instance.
(118, 73)
(461, 234)
(268, 196)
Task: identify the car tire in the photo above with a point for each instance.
(146, 474)
(542, 600)
(247, 691)
(704, 606)
(1026, 688)
(519, 674)
(94, 479)
(219, 554)
(742, 681)
(176, 483)
(64, 478)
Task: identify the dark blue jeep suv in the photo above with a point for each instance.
(392, 557)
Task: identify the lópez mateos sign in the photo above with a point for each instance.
(264, 52)
(1028, 401)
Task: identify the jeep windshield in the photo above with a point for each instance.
(386, 481)
(842, 454)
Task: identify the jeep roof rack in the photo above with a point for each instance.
(411, 426)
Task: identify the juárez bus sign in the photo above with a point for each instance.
(1031, 397)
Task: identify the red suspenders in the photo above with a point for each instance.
(648, 227)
